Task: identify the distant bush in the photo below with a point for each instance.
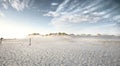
(58, 33)
(34, 34)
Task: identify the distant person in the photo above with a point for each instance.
(1, 40)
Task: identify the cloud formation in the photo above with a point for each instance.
(91, 11)
(2, 14)
(52, 14)
(54, 4)
(76, 18)
(5, 5)
(19, 5)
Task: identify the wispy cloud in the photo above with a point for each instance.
(2, 14)
(5, 5)
(19, 5)
(52, 14)
(54, 4)
(75, 18)
(90, 11)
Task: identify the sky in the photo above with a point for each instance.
(19, 18)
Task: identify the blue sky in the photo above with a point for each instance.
(21, 17)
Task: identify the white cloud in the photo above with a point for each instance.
(52, 14)
(5, 5)
(62, 5)
(54, 4)
(2, 14)
(62, 18)
(117, 17)
(74, 18)
(19, 5)
(76, 12)
(99, 13)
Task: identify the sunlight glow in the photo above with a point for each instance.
(13, 30)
